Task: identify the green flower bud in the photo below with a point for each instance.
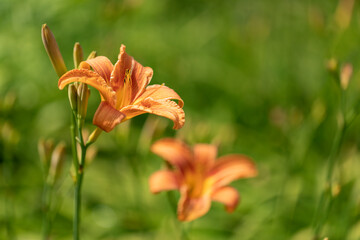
(57, 163)
(78, 55)
(72, 94)
(53, 51)
(83, 94)
(92, 55)
(45, 149)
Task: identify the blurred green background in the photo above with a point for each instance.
(253, 78)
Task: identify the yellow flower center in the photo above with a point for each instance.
(124, 95)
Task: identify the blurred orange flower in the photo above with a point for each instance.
(124, 91)
(199, 176)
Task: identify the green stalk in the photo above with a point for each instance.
(47, 195)
(325, 202)
(73, 141)
(8, 201)
(78, 185)
(172, 202)
(184, 232)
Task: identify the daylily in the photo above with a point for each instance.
(124, 91)
(199, 176)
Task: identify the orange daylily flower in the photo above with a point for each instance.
(199, 176)
(124, 91)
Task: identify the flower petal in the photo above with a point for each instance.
(163, 181)
(228, 196)
(230, 168)
(140, 76)
(205, 155)
(106, 117)
(102, 66)
(158, 92)
(175, 152)
(124, 62)
(191, 208)
(164, 108)
(91, 78)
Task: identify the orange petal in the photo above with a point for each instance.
(101, 66)
(91, 78)
(174, 151)
(106, 117)
(157, 92)
(191, 208)
(228, 196)
(164, 108)
(163, 181)
(117, 76)
(230, 168)
(140, 76)
(204, 155)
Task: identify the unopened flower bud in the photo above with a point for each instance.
(83, 93)
(332, 66)
(335, 190)
(93, 136)
(92, 55)
(45, 148)
(9, 101)
(78, 55)
(53, 51)
(72, 94)
(318, 111)
(9, 135)
(57, 162)
(343, 13)
(345, 75)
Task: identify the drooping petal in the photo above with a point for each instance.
(191, 208)
(106, 117)
(164, 108)
(158, 92)
(163, 181)
(125, 62)
(228, 196)
(230, 168)
(91, 78)
(102, 66)
(141, 77)
(175, 152)
(205, 155)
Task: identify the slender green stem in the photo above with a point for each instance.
(172, 202)
(184, 232)
(47, 195)
(326, 197)
(78, 185)
(77, 206)
(73, 132)
(8, 201)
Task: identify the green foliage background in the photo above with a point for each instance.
(253, 78)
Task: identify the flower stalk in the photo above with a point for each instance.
(342, 78)
(78, 184)
(78, 98)
(53, 162)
